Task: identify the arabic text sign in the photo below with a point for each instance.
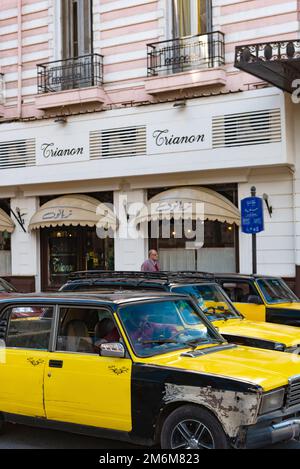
(252, 215)
(57, 214)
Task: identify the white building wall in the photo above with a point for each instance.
(296, 187)
(130, 245)
(25, 246)
(275, 245)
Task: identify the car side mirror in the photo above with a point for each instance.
(255, 299)
(112, 349)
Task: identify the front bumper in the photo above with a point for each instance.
(261, 436)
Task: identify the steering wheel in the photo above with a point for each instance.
(209, 308)
(186, 332)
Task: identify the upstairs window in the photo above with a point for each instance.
(191, 17)
(76, 28)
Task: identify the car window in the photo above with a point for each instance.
(29, 327)
(239, 292)
(83, 330)
(211, 299)
(159, 327)
(275, 290)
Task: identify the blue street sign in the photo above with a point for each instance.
(252, 214)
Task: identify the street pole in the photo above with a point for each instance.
(254, 248)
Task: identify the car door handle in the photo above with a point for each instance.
(56, 363)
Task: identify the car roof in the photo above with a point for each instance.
(137, 278)
(135, 282)
(104, 298)
(243, 276)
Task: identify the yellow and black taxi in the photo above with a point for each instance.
(130, 366)
(209, 296)
(262, 298)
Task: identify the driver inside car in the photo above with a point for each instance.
(142, 330)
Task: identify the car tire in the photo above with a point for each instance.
(192, 427)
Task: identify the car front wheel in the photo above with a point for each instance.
(191, 427)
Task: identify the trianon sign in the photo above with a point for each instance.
(62, 148)
(172, 137)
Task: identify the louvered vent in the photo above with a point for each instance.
(116, 143)
(17, 154)
(247, 128)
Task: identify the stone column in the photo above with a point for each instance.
(25, 246)
(131, 245)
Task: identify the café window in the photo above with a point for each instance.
(191, 17)
(5, 243)
(219, 252)
(5, 253)
(66, 249)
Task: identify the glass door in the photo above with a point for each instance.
(77, 43)
(191, 18)
(68, 249)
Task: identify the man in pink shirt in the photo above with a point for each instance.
(151, 264)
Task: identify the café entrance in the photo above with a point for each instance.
(76, 233)
(66, 249)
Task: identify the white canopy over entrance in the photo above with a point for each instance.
(6, 223)
(184, 202)
(74, 210)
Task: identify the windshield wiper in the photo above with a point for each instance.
(218, 313)
(193, 343)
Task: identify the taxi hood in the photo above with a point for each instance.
(265, 368)
(287, 335)
(293, 305)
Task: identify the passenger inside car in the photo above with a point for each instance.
(83, 330)
(239, 292)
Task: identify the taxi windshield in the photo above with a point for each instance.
(159, 327)
(211, 299)
(275, 290)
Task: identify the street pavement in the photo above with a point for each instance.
(21, 437)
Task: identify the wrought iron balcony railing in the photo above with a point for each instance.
(276, 62)
(78, 72)
(187, 53)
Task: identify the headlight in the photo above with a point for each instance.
(279, 347)
(294, 349)
(272, 401)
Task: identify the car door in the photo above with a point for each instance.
(82, 387)
(25, 334)
(243, 294)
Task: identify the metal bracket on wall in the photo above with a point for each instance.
(18, 216)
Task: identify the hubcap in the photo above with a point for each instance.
(191, 434)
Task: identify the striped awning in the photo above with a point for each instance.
(6, 223)
(189, 203)
(74, 210)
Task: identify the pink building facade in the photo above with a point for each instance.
(88, 88)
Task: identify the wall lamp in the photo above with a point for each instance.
(61, 120)
(180, 104)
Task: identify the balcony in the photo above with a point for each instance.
(277, 63)
(189, 62)
(70, 82)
